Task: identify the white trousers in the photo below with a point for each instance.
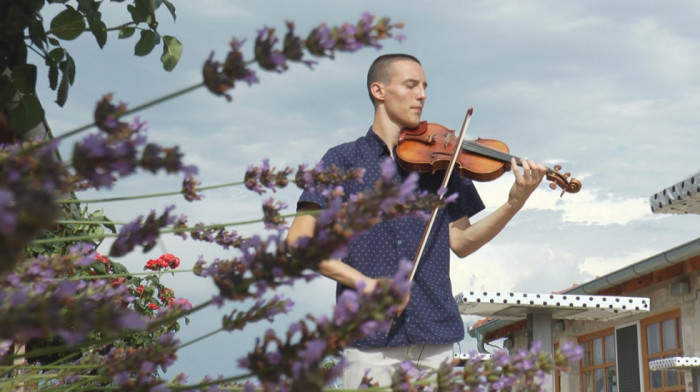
(383, 361)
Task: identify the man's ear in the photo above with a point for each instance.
(377, 91)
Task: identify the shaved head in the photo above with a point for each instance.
(380, 70)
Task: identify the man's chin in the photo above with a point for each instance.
(412, 123)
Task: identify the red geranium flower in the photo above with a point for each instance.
(167, 260)
(116, 282)
(101, 258)
(172, 260)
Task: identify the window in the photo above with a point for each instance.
(598, 363)
(661, 338)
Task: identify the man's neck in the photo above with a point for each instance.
(388, 131)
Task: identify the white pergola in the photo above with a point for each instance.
(541, 309)
(515, 306)
(679, 363)
(680, 198)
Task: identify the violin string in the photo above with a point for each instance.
(493, 153)
(489, 152)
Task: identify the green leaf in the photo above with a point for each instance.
(37, 33)
(98, 29)
(62, 93)
(68, 67)
(7, 89)
(56, 55)
(98, 216)
(119, 268)
(148, 41)
(68, 24)
(99, 268)
(139, 11)
(172, 51)
(27, 114)
(90, 7)
(171, 8)
(24, 78)
(53, 77)
(126, 32)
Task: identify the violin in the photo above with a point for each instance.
(430, 147)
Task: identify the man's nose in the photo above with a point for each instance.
(421, 93)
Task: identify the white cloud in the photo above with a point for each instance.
(596, 266)
(672, 53)
(588, 207)
(214, 9)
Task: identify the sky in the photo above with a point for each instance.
(608, 90)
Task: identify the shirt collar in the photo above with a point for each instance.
(376, 144)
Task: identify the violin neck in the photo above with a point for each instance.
(480, 149)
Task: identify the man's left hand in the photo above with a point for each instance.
(526, 181)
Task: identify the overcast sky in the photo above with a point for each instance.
(608, 90)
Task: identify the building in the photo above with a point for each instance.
(627, 347)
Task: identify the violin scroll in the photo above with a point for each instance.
(562, 181)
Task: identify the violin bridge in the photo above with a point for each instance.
(448, 139)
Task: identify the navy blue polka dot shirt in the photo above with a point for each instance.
(432, 316)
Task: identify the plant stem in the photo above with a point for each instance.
(98, 343)
(136, 108)
(146, 196)
(123, 275)
(212, 333)
(164, 231)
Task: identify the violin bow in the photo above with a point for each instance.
(433, 215)
(448, 174)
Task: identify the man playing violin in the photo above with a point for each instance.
(429, 322)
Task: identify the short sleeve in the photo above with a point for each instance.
(315, 195)
(468, 202)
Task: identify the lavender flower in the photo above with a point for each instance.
(31, 177)
(134, 369)
(156, 157)
(271, 214)
(36, 302)
(294, 47)
(268, 58)
(219, 78)
(189, 188)
(321, 41)
(99, 158)
(261, 310)
(259, 177)
(294, 362)
(220, 235)
(138, 233)
(8, 218)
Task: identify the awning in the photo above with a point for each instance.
(680, 198)
(514, 306)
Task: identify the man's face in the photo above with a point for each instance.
(405, 93)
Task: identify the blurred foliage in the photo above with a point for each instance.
(23, 29)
